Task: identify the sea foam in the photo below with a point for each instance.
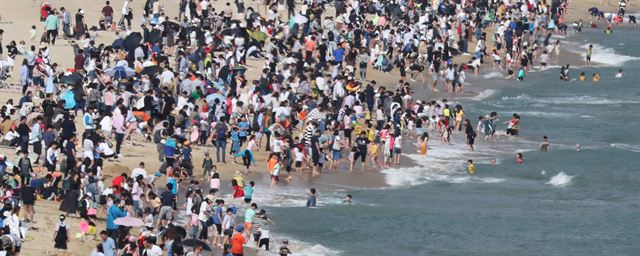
(569, 100)
(560, 180)
(603, 55)
(443, 163)
(626, 147)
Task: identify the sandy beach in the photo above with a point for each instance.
(18, 15)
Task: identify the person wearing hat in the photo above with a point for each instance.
(238, 240)
(61, 235)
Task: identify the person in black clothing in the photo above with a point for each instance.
(68, 127)
(28, 196)
(24, 165)
(470, 134)
(23, 130)
(361, 143)
(168, 205)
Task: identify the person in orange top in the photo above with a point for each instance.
(309, 46)
(237, 242)
(273, 160)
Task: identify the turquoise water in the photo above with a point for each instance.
(563, 202)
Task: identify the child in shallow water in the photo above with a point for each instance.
(519, 158)
(544, 147)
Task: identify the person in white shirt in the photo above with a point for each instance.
(87, 148)
(150, 248)
(203, 216)
(105, 150)
(167, 76)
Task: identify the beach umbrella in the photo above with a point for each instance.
(239, 67)
(211, 98)
(180, 231)
(300, 19)
(259, 36)
(71, 78)
(32, 116)
(171, 24)
(118, 43)
(159, 126)
(230, 32)
(119, 72)
(196, 242)
(132, 41)
(129, 222)
(154, 37)
(151, 70)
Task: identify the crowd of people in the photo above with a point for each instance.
(183, 82)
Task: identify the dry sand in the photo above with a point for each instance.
(17, 16)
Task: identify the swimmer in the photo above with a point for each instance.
(596, 77)
(577, 147)
(347, 199)
(620, 73)
(471, 169)
(493, 161)
(608, 30)
(519, 158)
(544, 147)
(583, 76)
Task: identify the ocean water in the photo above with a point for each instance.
(563, 202)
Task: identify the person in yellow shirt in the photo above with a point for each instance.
(471, 169)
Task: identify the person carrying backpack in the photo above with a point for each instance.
(220, 138)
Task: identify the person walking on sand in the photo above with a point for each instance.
(61, 236)
(51, 23)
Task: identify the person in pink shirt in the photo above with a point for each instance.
(119, 125)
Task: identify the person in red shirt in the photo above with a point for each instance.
(117, 183)
(237, 242)
(238, 192)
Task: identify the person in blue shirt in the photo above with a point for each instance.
(170, 151)
(235, 142)
(244, 127)
(217, 221)
(248, 192)
(171, 180)
(115, 211)
(311, 199)
(108, 244)
(338, 55)
(186, 157)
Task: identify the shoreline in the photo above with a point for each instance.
(339, 179)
